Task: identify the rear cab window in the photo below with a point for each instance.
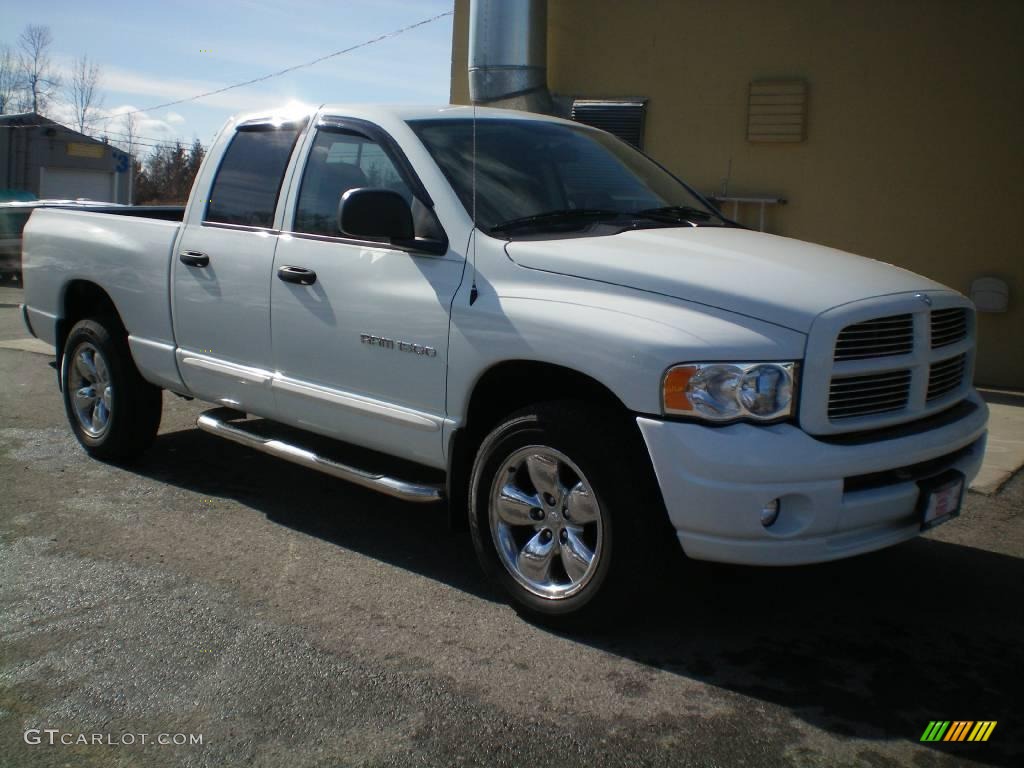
(248, 183)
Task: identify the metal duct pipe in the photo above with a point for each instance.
(508, 54)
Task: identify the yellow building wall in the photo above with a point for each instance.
(915, 135)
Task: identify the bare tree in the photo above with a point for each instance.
(37, 79)
(129, 137)
(130, 132)
(84, 91)
(8, 80)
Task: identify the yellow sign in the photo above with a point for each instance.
(81, 149)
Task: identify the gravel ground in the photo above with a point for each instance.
(291, 619)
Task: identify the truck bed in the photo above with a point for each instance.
(127, 251)
(162, 212)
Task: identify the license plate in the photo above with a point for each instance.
(940, 499)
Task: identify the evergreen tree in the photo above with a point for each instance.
(166, 176)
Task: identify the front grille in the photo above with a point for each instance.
(946, 376)
(881, 337)
(948, 326)
(886, 361)
(853, 396)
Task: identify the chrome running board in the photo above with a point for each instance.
(400, 489)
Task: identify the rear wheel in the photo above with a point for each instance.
(113, 412)
(563, 513)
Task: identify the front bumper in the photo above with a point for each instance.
(715, 480)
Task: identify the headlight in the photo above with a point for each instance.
(730, 391)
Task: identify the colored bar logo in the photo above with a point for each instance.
(958, 730)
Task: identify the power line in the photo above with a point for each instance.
(99, 133)
(59, 124)
(136, 137)
(104, 131)
(262, 78)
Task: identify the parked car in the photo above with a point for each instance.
(19, 195)
(14, 216)
(532, 320)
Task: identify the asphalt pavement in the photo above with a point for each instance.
(289, 619)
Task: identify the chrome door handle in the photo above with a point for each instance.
(194, 258)
(299, 275)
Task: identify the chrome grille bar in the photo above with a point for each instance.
(948, 326)
(881, 337)
(854, 396)
(946, 376)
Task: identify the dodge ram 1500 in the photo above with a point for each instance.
(532, 320)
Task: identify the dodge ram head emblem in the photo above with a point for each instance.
(924, 297)
(401, 346)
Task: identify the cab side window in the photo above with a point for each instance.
(248, 182)
(340, 161)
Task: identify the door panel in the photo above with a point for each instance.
(222, 315)
(361, 353)
(222, 273)
(350, 339)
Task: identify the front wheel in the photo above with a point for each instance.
(562, 510)
(113, 412)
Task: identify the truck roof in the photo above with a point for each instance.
(389, 112)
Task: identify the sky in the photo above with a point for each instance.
(155, 52)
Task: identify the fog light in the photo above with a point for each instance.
(770, 513)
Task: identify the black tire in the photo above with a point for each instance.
(135, 405)
(607, 452)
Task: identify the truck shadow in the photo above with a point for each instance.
(874, 647)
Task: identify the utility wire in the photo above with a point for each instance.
(86, 132)
(118, 136)
(136, 136)
(99, 134)
(262, 78)
(137, 139)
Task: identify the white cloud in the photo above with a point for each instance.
(157, 89)
(174, 118)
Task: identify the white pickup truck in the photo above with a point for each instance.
(528, 318)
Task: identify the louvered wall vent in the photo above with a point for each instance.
(621, 117)
(777, 111)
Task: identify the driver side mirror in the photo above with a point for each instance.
(367, 213)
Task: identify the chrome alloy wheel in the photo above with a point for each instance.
(90, 389)
(546, 522)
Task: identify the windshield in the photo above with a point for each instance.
(540, 175)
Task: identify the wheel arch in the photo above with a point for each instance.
(502, 389)
(512, 384)
(81, 299)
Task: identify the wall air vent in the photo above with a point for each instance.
(621, 117)
(777, 111)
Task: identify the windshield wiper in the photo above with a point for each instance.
(566, 215)
(676, 213)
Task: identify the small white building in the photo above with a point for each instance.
(51, 161)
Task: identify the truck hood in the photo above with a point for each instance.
(775, 279)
